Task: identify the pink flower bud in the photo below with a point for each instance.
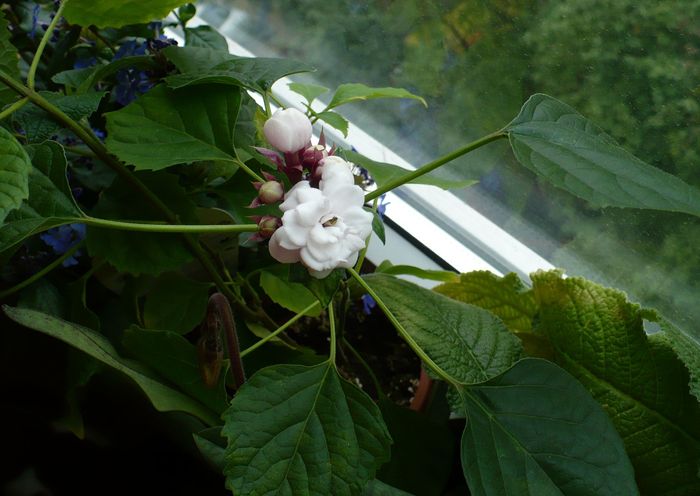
(270, 192)
(289, 130)
(313, 155)
(268, 224)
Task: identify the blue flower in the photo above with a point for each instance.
(381, 206)
(81, 63)
(63, 238)
(130, 84)
(129, 49)
(368, 304)
(35, 20)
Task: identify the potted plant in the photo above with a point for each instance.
(210, 251)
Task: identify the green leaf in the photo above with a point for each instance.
(559, 144)
(205, 37)
(50, 202)
(534, 430)
(212, 446)
(164, 398)
(467, 342)
(378, 488)
(292, 296)
(336, 120)
(166, 127)
(195, 59)
(434, 275)
(383, 173)
(309, 91)
(306, 431)
(117, 13)
(8, 61)
(176, 304)
(599, 337)
(687, 346)
(73, 78)
(140, 252)
(39, 126)
(254, 73)
(101, 72)
(378, 225)
(355, 92)
(323, 289)
(504, 296)
(14, 174)
(175, 359)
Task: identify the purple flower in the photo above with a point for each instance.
(81, 63)
(130, 84)
(368, 304)
(63, 238)
(130, 49)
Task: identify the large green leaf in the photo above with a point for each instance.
(467, 342)
(378, 488)
(50, 201)
(8, 61)
(39, 126)
(175, 303)
(164, 398)
(535, 431)
(355, 92)
(118, 13)
(309, 91)
(175, 359)
(383, 173)
(599, 337)
(291, 295)
(166, 127)
(503, 296)
(386, 267)
(559, 144)
(302, 430)
(336, 120)
(14, 174)
(255, 73)
(140, 252)
(196, 59)
(686, 344)
(206, 37)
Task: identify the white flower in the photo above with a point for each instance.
(288, 130)
(325, 227)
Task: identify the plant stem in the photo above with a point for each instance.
(279, 329)
(220, 311)
(365, 365)
(168, 228)
(13, 108)
(42, 272)
(403, 332)
(247, 169)
(31, 75)
(331, 319)
(434, 165)
(79, 151)
(266, 100)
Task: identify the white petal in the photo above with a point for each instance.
(346, 197)
(280, 253)
(288, 130)
(359, 221)
(336, 174)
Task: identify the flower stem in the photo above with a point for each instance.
(220, 312)
(42, 272)
(434, 165)
(13, 108)
(247, 170)
(168, 228)
(331, 318)
(31, 75)
(266, 100)
(402, 331)
(279, 329)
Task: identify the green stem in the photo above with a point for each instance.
(247, 170)
(31, 75)
(168, 228)
(403, 332)
(79, 151)
(365, 365)
(280, 329)
(13, 108)
(434, 165)
(42, 272)
(266, 100)
(331, 318)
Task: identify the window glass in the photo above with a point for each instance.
(631, 66)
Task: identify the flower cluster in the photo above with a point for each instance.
(324, 225)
